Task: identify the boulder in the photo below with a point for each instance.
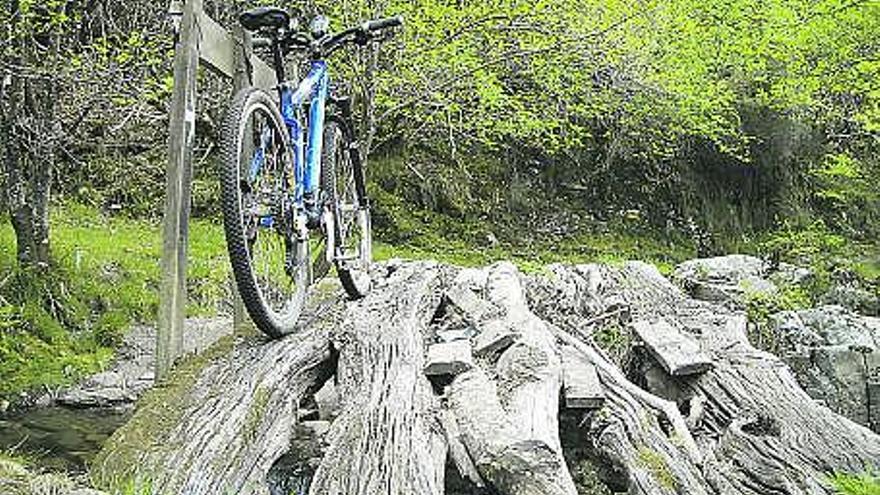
(853, 297)
(835, 355)
(724, 279)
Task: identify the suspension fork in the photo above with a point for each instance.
(346, 123)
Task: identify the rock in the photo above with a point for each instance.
(734, 278)
(454, 334)
(317, 428)
(788, 274)
(328, 401)
(472, 278)
(834, 354)
(720, 279)
(854, 298)
(826, 325)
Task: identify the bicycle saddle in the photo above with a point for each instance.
(264, 17)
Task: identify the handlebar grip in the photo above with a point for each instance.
(380, 24)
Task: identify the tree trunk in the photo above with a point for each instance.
(29, 132)
(737, 424)
(220, 421)
(757, 431)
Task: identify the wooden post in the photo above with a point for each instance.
(198, 38)
(172, 301)
(241, 78)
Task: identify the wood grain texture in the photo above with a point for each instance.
(743, 427)
(758, 432)
(388, 438)
(678, 354)
(178, 193)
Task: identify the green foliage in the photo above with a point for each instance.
(867, 483)
(415, 233)
(19, 476)
(761, 306)
(35, 347)
(615, 339)
(58, 326)
(830, 256)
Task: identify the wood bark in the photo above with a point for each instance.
(219, 422)
(757, 431)
(743, 426)
(29, 133)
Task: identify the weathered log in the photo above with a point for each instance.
(220, 421)
(388, 438)
(449, 358)
(505, 454)
(676, 352)
(458, 452)
(758, 431)
(580, 382)
(741, 427)
(512, 430)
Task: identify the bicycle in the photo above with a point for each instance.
(283, 181)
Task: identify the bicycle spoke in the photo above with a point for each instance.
(271, 246)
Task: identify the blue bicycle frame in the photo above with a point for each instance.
(307, 159)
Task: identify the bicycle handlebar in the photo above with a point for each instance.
(380, 24)
(329, 43)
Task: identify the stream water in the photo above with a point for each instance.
(59, 438)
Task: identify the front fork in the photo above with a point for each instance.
(300, 220)
(342, 118)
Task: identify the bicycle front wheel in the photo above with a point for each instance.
(268, 257)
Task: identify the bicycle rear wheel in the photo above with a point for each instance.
(342, 182)
(269, 257)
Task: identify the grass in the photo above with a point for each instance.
(464, 245)
(105, 276)
(532, 257)
(19, 474)
(830, 256)
(856, 484)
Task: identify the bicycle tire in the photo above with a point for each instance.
(256, 176)
(343, 184)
